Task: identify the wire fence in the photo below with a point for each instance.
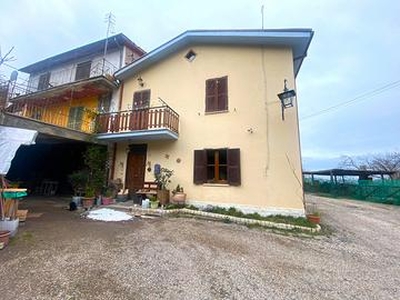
(380, 191)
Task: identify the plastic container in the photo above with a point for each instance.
(10, 225)
(146, 203)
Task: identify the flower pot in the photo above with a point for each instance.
(4, 238)
(314, 219)
(87, 202)
(154, 204)
(107, 200)
(163, 196)
(178, 198)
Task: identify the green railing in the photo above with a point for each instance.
(381, 191)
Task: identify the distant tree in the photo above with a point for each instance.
(388, 162)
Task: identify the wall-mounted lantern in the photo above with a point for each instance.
(287, 98)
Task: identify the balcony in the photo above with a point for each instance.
(66, 83)
(60, 116)
(154, 123)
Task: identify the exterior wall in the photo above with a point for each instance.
(61, 112)
(271, 179)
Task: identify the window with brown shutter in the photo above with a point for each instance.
(217, 94)
(217, 166)
(83, 70)
(141, 99)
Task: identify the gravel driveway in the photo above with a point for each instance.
(58, 255)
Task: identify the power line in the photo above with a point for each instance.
(364, 96)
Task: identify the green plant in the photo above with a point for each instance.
(162, 178)
(95, 159)
(178, 189)
(90, 192)
(78, 180)
(152, 198)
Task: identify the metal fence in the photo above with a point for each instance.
(381, 191)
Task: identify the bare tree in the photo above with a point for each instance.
(388, 162)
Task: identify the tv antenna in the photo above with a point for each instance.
(110, 20)
(262, 16)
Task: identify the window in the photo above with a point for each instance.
(75, 117)
(83, 70)
(217, 166)
(141, 99)
(44, 81)
(191, 55)
(217, 94)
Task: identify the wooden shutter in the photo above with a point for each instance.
(83, 70)
(211, 95)
(234, 167)
(141, 99)
(223, 93)
(200, 167)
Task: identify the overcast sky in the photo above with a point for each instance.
(352, 59)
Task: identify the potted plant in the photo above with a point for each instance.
(88, 199)
(153, 202)
(108, 197)
(178, 195)
(95, 159)
(162, 178)
(314, 217)
(78, 180)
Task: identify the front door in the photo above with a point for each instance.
(135, 167)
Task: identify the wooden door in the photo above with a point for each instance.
(136, 167)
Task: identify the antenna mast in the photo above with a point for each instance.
(110, 20)
(262, 17)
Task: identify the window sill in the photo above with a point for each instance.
(216, 185)
(216, 112)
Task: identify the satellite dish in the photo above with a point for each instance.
(14, 76)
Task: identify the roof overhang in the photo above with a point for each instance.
(115, 43)
(296, 39)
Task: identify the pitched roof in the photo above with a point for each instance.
(114, 42)
(297, 39)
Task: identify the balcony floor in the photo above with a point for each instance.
(138, 135)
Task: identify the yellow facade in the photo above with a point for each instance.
(59, 113)
(271, 180)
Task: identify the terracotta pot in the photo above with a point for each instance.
(178, 198)
(163, 196)
(5, 237)
(87, 203)
(107, 200)
(314, 219)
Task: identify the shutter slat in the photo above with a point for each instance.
(234, 167)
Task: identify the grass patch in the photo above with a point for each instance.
(299, 221)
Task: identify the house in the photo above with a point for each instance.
(67, 89)
(60, 100)
(205, 105)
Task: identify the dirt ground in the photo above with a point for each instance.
(58, 255)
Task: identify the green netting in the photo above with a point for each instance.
(381, 191)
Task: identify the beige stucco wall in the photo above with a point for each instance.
(270, 155)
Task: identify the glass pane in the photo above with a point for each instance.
(223, 173)
(222, 156)
(210, 174)
(210, 157)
